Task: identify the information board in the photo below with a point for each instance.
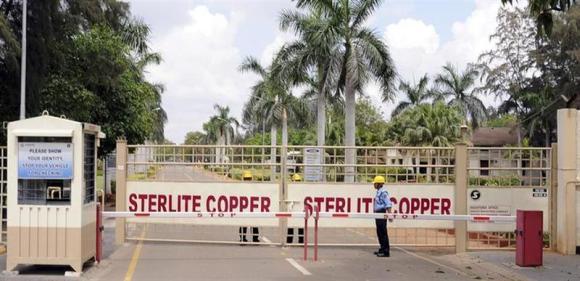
(312, 156)
(45, 160)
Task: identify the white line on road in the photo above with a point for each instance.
(433, 262)
(298, 267)
(266, 239)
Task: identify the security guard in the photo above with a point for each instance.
(382, 204)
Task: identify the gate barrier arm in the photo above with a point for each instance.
(493, 219)
(306, 215)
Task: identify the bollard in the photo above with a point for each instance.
(100, 228)
(306, 215)
(529, 238)
(316, 217)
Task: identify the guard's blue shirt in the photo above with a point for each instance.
(382, 200)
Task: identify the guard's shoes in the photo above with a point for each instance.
(378, 251)
(383, 255)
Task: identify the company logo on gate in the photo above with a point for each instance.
(146, 202)
(150, 202)
(402, 205)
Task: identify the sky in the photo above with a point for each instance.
(203, 42)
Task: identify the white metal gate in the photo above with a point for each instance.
(3, 173)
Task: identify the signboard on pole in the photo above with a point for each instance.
(45, 160)
(313, 156)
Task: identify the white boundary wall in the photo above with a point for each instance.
(358, 198)
(330, 197)
(504, 202)
(203, 197)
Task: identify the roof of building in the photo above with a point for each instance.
(486, 136)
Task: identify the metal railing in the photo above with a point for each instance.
(302, 163)
(3, 193)
(509, 167)
(486, 168)
(521, 168)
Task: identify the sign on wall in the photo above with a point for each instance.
(358, 198)
(45, 160)
(204, 197)
(313, 156)
(498, 201)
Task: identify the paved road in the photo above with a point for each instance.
(186, 173)
(184, 261)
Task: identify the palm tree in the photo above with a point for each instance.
(427, 125)
(272, 102)
(221, 126)
(459, 87)
(431, 125)
(416, 94)
(225, 124)
(359, 55)
(310, 60)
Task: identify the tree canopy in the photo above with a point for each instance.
(85, 60)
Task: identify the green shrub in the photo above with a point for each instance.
(505, 181)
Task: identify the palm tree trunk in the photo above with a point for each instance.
(220, 149)
(321, 130)
(284, 128)
(349, 131)
(321, 119)
(273, 136)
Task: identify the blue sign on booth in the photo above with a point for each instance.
(45, 160)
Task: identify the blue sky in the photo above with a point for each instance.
(203, 41)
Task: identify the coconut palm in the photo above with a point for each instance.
(221, 128)
(359, 55)
(272, 102)
(310, 60)
(431, 125)
(415, 94)
(460, 89)
(225, 124)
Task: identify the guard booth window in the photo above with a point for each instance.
(89, 168)
(41, 189)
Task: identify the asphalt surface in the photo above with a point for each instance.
(138, 260)
(188, 261)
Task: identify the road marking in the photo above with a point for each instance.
(266, 239)
(135, 257)
(433, 262)
(298, 267)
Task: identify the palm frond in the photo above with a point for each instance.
(251, 64)
(363, 9)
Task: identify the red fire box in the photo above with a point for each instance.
(529, 238)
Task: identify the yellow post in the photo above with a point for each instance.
(121, 190)
(460, 194)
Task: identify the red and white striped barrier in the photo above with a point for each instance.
(203, 215)
(207, 215)
(494, 219)
(306, 215)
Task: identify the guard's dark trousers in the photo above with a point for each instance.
(382, 235)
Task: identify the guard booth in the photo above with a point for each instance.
(51, 192)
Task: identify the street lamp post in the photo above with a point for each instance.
(23, 63)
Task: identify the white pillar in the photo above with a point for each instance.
(567, 180)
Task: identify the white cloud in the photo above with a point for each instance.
(416, 49)
(415, 35)
(271, 49)
(199, 69)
